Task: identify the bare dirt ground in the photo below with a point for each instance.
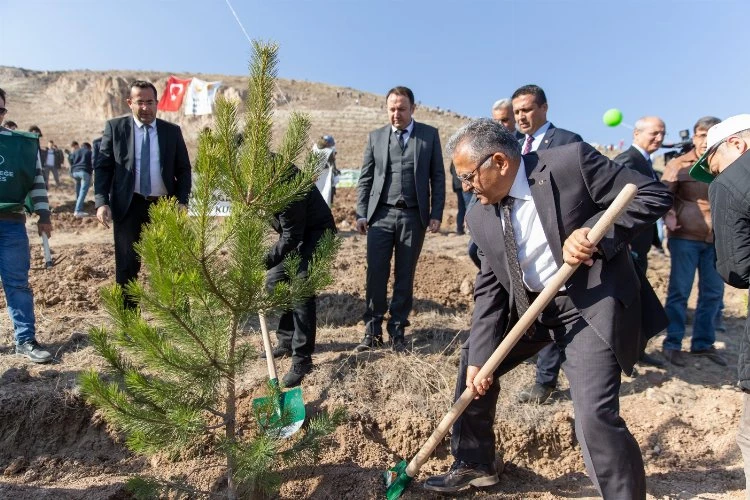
(53, 446)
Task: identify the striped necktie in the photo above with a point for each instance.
(527, 145)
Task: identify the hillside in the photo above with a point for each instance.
(73, 105)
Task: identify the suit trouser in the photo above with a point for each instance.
(548, 364)
(611, 454)
(297, 327)
(399, 232)
(127, 232)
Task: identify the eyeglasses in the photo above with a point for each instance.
(3, 111)
(468, 178)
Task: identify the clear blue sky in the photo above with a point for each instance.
(677, 59)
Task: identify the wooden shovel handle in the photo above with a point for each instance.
(267, 347)
(524, 322)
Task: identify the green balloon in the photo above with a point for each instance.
(612, 117)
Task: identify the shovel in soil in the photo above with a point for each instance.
(287, 407)
(398, 478)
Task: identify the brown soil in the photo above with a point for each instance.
(54, 446)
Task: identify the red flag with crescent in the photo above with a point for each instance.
(171, 99)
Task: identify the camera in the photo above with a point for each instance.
(678, 148)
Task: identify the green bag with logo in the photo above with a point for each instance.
(19, 152)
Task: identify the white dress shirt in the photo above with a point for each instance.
(534, 254)
(157, 183)
(538, 136)
(407, 131)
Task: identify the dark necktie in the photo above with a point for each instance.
(527, 145)
(145, 186)
(516, 276)
(400, 135)
(651, 168)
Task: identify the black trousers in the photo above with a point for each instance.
(127, 232)
(611, 454)
(297, 327)
(392, 232)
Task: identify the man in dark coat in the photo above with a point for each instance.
(300, 226)
(726, 165)
(536, 212)
(141, 159)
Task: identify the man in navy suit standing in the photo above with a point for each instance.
(141, 159)
(530, 109)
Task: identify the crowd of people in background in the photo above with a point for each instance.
(526, 191)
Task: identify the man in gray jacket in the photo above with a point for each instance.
(401, 194)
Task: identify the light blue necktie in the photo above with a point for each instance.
(146, 162)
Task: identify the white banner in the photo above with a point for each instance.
(200, 97)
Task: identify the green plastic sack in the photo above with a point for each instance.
(19, 152)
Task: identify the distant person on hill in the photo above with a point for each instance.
(53, 159)
(400, 196)
(125, 185)
(538, 134)
(15, 257)
(10, 125)
(726, 166)
(691, 249)
(326, 182)
(81, 169)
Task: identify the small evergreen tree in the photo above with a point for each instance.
(175, 362)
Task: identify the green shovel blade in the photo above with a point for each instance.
(396, 480)
(287, 411)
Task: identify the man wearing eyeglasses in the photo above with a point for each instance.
(141, 159)
(535, 213)
(400, 195)
(726, 166)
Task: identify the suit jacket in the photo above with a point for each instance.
(571, 186)
(300, 225)
(114, 177)
(556, 137)
(429, 172)
(634, 159)
(59, 158)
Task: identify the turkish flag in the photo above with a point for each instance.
(171, 99)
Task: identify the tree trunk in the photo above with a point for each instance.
(231, 412)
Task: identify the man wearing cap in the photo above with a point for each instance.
(691, 249)
(726, 167)
(400, 196)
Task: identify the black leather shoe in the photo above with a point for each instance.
(369, 342)
(295, 374)
(398, 343)
(647, 359)
(712, 354)
(674, 356)
(536, 394)
(34, 352)
(461, 476)
(280, 351)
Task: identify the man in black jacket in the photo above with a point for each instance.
(300, 226)
(727, 163)
(648, 135)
